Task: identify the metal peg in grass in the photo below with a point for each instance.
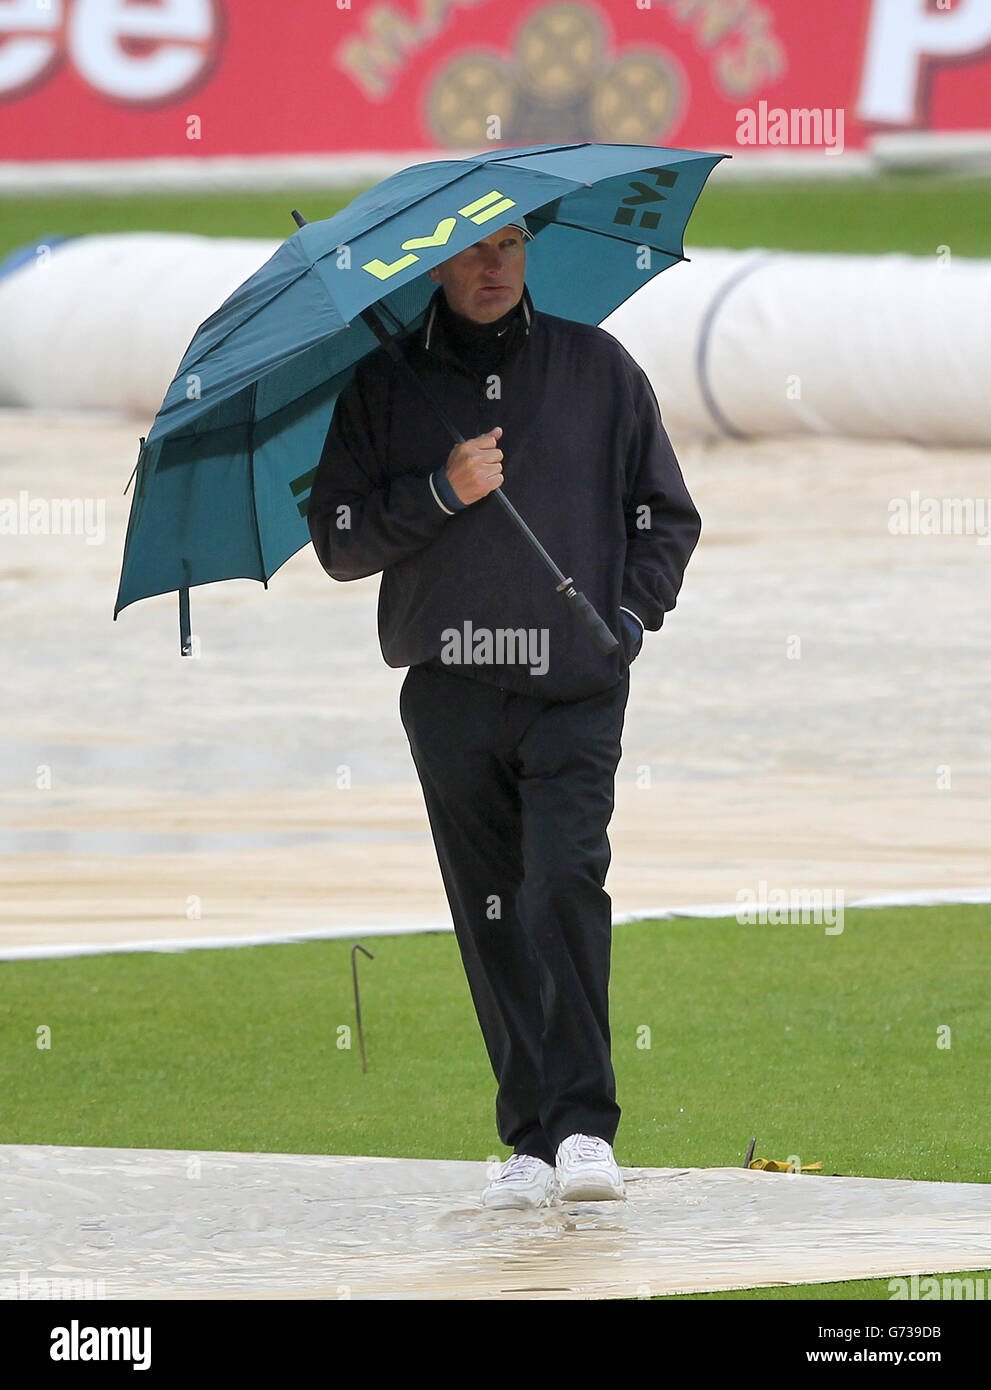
(750, 1152)
(357, 1001)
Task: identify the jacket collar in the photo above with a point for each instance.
(435, 340)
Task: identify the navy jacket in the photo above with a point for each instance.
(587, 464)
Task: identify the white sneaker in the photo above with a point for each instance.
(587, 1170)
(523, 1181)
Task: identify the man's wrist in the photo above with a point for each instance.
(444, 493)
(633, 625)
(636, 616)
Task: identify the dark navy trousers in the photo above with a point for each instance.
(519, 792)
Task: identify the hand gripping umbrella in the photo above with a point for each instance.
(220, 491)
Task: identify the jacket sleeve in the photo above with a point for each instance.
(362, 520)
(662, 524)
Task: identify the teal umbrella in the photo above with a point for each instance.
(223, 478)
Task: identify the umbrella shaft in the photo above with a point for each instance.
(554, 569)
(389, 343)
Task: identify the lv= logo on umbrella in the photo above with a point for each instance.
(480, 212)
(220, 493)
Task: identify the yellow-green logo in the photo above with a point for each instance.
(482, 210)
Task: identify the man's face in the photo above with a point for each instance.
(485, 281)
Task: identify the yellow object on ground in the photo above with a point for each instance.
(777, 1165)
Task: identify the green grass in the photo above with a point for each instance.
(824, 1047)
(820, 1046)
(852, 1289)
(22, 220)
(911, 214)
(907, 213)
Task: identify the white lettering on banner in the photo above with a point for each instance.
(25, 46)
(901, 37)
(176, 39)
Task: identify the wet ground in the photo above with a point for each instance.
(812, 715)
(135, 1224)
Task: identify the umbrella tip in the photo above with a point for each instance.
(298, 218)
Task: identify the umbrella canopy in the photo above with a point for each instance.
(223, 477)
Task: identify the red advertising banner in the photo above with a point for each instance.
(131, 79)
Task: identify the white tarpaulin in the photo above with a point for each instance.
(736, 342)
(155, 1223)
(765, 343)
(807, 718)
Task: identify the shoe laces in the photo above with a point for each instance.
(519, 1165)
(589, 1146)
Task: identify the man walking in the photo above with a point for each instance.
(513, 715)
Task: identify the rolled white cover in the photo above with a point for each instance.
(734, 342)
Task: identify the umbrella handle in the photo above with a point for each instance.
(601, 635)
